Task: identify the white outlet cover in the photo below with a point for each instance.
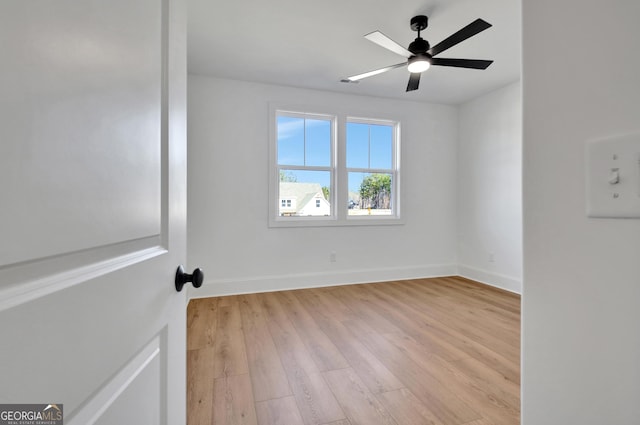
(613, 177)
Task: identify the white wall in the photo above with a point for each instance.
(490, 188)
(228, 168)
(581, 289)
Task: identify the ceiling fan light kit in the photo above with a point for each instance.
(419, 63)
(420, 55)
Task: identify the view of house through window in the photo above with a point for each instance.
(309, 169)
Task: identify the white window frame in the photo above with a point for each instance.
(339, 175)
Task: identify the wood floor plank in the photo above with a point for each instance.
(202, 318)
(499, 302)
(360, 405)
(455, 319)
(319, 297)
(267, 375)
(396, 300)
(200, 381)
(487, 400)
(473, 322)
(414, 327)
(289, 344)
(480, 422)
(227, 300)
(439, 397)
(487, 294)
(488, 380)
(503, 302)
(426, 346)
(233, 401)
(457, 299)
(322, 350)
(230, 351)
(372, 371)
(361, 304)
(192, 313)
(497, 406)
(315, 400)
(406, 409)
(280, 411)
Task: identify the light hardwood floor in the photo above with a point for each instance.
(443, 351)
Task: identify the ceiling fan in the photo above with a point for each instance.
(420, 55)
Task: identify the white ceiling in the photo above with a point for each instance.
(316, 43)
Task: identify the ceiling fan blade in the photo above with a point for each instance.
(414, 81)
(462, 63)
(382, 40)
(375, 72)
(470, 30)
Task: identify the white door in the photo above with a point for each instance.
(93, 208)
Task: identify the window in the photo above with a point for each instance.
(371, 173)
(305, 145)
(332, 169)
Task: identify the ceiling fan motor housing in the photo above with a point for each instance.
(419, 45)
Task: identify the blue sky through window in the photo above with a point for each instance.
(307, 142)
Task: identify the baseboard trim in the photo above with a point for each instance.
(249, 285)
(497, 280)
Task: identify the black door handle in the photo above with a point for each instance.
(182, 278)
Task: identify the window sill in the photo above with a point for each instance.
(334, 222)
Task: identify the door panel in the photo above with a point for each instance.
(82, 95)
(110, 404)
(93, 208)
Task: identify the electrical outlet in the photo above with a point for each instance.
(332, 257)
(492, 257)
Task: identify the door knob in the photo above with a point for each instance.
(196, 278)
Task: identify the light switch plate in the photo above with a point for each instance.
(613, 177)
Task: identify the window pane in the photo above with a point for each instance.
(381, 146)
(290, 141)
(370, 194)
(318, 143)
(357, 145)
(306, 193)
